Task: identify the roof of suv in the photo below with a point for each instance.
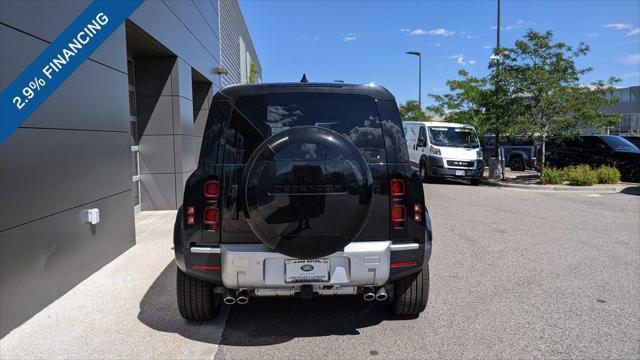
(375, 91)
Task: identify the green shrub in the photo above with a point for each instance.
(552, 176)
(580, 175)
(608, 175)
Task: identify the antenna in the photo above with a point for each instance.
(304, 79)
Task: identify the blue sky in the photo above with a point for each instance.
(366, 41)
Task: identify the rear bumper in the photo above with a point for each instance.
(255, 266)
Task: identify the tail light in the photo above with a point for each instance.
(398, 214)
(417, 213)
(397, 187)
(398, 210)
(212, 189)
(211, 216)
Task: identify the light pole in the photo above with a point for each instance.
(419, 55)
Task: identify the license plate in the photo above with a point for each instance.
(302, 271)
(459, 172)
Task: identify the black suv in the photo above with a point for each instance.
(596, 150)
(302, 190)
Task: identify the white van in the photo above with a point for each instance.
(444, 150)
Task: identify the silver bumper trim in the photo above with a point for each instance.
(320, 290)
(401, 247)
(205, 250)
(255, 266)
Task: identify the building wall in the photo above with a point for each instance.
(74, 152)
(629, 107)
(235, 53)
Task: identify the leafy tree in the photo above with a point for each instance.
(532, 89)
(542, 76)
(411, 111)
(478, 102)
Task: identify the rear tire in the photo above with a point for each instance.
(411, 293)
(516, 164)
(196, 300)
(475, 182)
(424, 175)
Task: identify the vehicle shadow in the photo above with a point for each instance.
(446, 181)
(268, 321)
(159, 311)
(263, 321)
(632, 190)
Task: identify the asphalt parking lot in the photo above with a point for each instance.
(514, 274)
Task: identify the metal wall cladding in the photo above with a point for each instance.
(181, 29)
(42, 260)
(47, 19)
(44, 171)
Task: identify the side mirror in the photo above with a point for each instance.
(422, 142)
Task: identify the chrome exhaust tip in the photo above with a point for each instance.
(368, 294)
(381, 295)
(242, 297)
(228, 298)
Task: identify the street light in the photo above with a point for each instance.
(419, 55)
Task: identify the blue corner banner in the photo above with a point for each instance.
(59, 60)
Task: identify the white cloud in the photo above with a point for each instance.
(593, 34)
(471, 62)
(518, 25)
(316, 38)
(487, 47)
(622, 27)
(634, 31)
(459, 58)
(437, 44)
(351, 37)
(434, 32)
(631, 59)
(470, 37)
(405, 30)
(618, 27)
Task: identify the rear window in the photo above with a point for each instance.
(254, 118)
(619, 143)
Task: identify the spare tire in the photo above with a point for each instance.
(307, 192)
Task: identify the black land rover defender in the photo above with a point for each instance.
(302, 190)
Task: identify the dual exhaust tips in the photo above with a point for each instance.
(370, 294)
(240, 297)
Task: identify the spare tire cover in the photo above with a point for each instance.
(307, 191)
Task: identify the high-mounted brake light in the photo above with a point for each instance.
(211, 216)
(397, 187)
(398, 214)
(417, 213)
(212, 189)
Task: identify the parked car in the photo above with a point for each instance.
(519, 154)
(596, 150)
(302, 190)
(444, 150)
(634, 139)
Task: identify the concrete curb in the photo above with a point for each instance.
(596, 189)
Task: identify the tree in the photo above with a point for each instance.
(542, 76)
(411, 111)
(478, 102)
(532, 89)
